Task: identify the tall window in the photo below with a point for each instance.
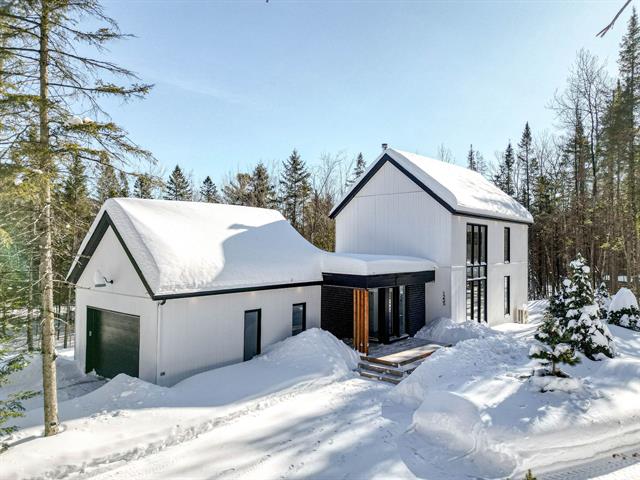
(251, 333)
(298, 318)
(507, 244)
(476, 272)
(507, 295)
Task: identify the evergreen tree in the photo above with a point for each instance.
(504, 178)
(47, 58)
(475, 161)
(262, 191)
(603, 299)
(209, 191)
(124, 184)
(237, 191)
(108, 185)
(588, 333)
(295, 189)
(178, 187)
(555, 347)
(525, 165)
(143, 186)
(358, 170)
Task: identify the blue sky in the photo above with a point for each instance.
(243, 81)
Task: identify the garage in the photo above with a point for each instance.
(113, 343)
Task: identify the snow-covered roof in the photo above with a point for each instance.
(363, 264)
(186, 248)
(459, 189)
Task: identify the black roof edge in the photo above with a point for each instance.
(379, 280)
(101, 228)
(387, 158)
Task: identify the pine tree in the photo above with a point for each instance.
(603, 299)
(45, 58)
(294, 187)
(124, 184)
(525, 163)
(504, 178)
(178, 187)
(358, 170)
(209, 191)
(262, 191)
(555, 347)
(588, 333)
(471, 159)
(237, 191)
(143, 186)
(108, 185)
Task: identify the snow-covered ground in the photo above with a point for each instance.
(299, 411)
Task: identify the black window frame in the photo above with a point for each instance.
(507, 294)
(304, 317)
(476, 271)
(507, 244)
(259, 333)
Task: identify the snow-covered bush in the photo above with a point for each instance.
(555, 346)
(588, 333)
(603, 299)
(624, 311)
(445, 330)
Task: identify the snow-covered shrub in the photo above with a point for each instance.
(588, 333)
(603, 299)
(445, 330)
(555, 346)
(624, 311)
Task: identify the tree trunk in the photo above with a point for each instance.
(46, 264)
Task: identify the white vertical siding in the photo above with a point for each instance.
(392, 215)
(199, 333)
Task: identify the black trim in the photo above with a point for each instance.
(378, 281)
(101, 228)
(173, 296)
(387, 158)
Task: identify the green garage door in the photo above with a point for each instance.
(113, 343)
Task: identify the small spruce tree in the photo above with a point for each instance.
(178, 187)
(555, 347)
(603, 299)
(209, 191)
(262, 191)
(588, 333)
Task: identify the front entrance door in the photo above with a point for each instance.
(387, 315)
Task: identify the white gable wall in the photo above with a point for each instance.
(126, 295)
(394, 216)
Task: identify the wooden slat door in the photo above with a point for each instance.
(361, 320)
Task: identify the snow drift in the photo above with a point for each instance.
(445, 330)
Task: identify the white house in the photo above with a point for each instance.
(477, 235)
(166, 289)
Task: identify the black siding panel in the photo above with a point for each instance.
(415, 308)
(336, 313)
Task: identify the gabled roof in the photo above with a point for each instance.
(460, 190)
(182, 249)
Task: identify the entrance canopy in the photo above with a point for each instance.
(353, 270)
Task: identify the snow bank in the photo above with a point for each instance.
(474, 409)
(622, 300)
(445, 330)
(128, 418)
